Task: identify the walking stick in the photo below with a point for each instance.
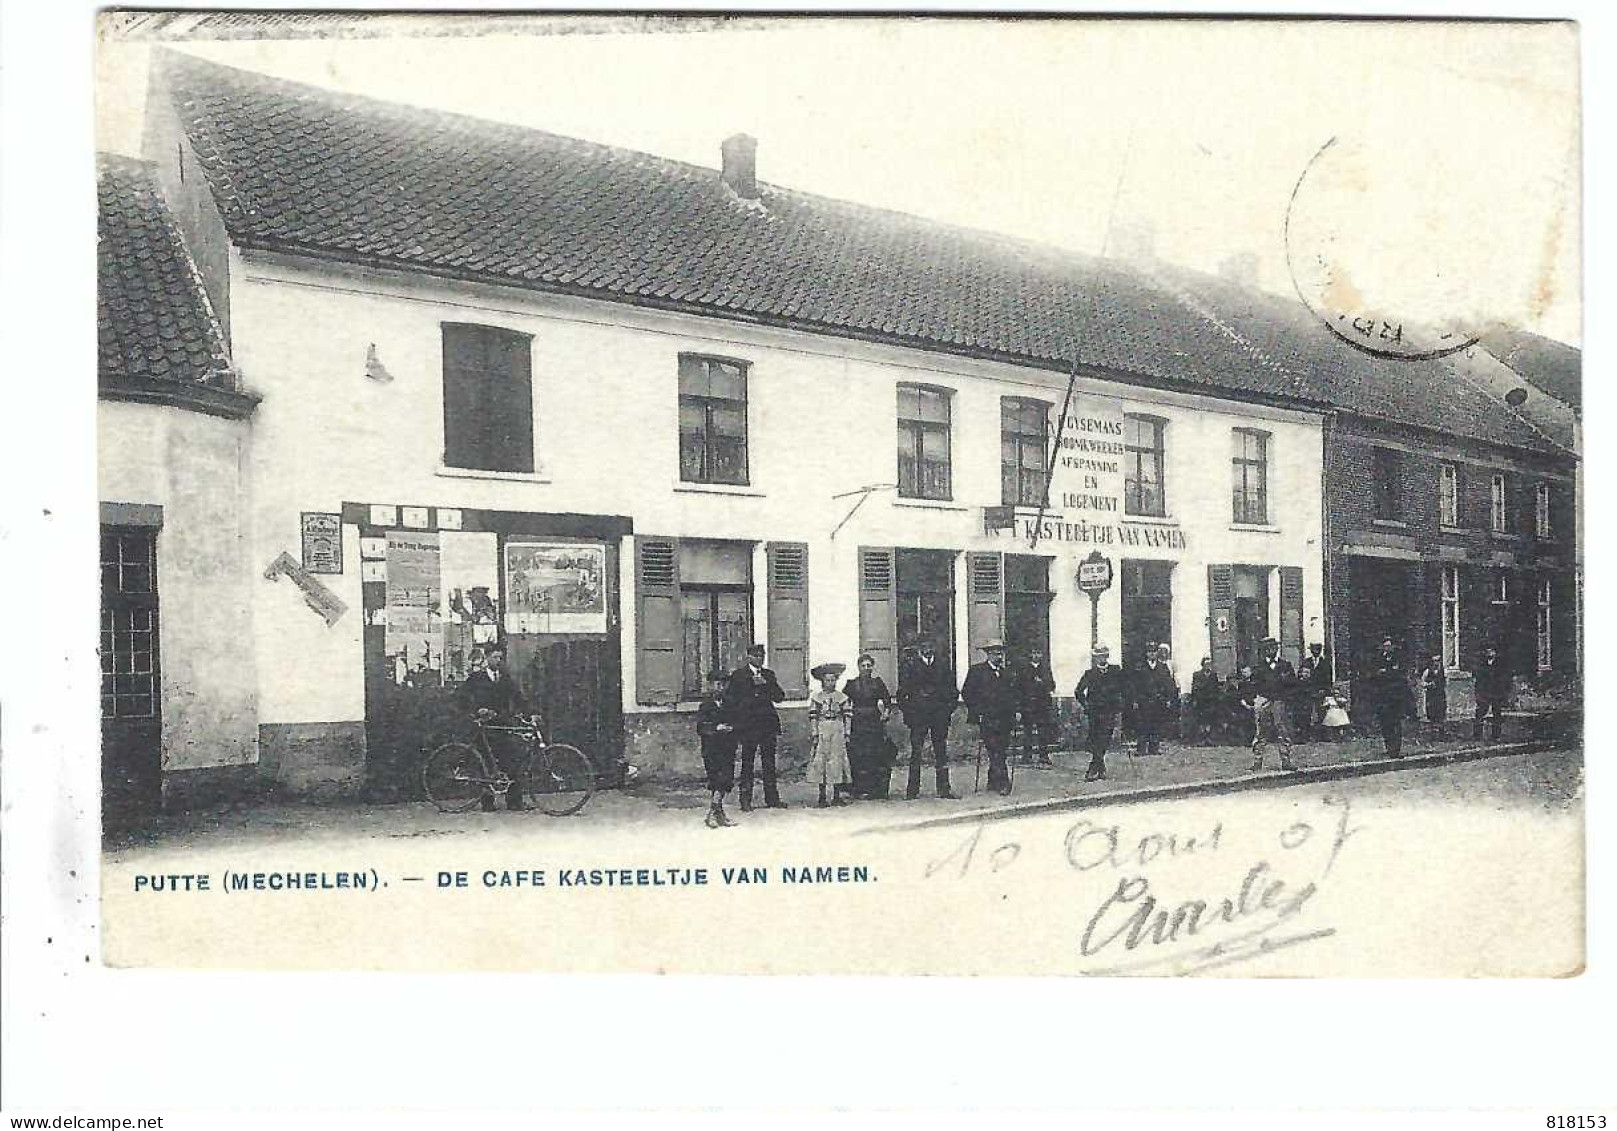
(977, 780)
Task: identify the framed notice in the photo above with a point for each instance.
(555, 587)
(322, 542)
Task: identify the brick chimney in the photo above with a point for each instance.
(740, 168)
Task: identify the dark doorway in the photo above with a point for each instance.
(1381, 608)
(131, 687)
(1027, 604)
(1251, 613)
(925, 587)
(1147, 607)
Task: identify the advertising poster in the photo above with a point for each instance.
(415, 613)
(555, 587)
(470, 570)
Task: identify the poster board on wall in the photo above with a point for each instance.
(555, 587)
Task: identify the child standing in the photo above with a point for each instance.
(718, 750)
(830, 717)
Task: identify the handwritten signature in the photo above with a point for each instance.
(1141, 931)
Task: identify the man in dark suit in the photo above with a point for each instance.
(1273, 684)
(1034, 688)
(1156, 701)
(990, 695)
(1389, 689)
(490, 694)
(749, 706)
(1492, 689)
(1102, 690)
(927, 695)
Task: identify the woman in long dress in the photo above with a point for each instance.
(830, 715)
(869, 749)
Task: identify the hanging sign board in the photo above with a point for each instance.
(322, 542)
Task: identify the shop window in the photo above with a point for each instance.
(712, 420)
(923, 442)
(1023, 424)
(1143, 490)
(1250, 476)
(488, 398)
(1389, 484)
(1448, 495)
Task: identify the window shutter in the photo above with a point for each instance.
(878, 611)
(511, 398)
(463, 406)
(788, 615)
(1291, 614)
(985, 605)
(658, 635)
(1221, 618)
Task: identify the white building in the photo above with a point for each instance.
(630, 415)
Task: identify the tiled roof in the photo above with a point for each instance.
(1553, 367)
(153, 321)
(304, 169)
(1443, 395)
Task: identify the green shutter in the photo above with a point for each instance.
(788, 615)
(1221, 618)
(1291, 614)
(658, 634)
(878, 611)
(985, 604)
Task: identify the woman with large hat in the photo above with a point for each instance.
(830, 718)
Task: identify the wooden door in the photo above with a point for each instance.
(131, 685)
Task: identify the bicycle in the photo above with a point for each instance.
(558, 779)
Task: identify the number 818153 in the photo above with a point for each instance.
(1575, 1122)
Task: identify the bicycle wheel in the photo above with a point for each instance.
(455, 777)
(560, 780)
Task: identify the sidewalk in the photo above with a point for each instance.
(1179, 769)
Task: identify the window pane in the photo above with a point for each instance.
(714, 563)
(934, 406)
(697, 627)
(729, 421)
(727, 381)
(909, 402)
(935, 444)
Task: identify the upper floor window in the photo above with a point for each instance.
(1389, 484)
(1250, 476)
(1143, 488)
(488, 398)
(1448, 495)
(923, 442)
(1022, 426)
(712, 420)
(1541, 510)
(1497, 504)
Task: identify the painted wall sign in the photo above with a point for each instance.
(322, 542)
(470, 571)
(555, 587)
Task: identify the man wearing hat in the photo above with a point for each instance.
(990, 695)
(1492, 688)
(1274, 682)
(1102, 692)
(749, 705)
(490, 694)
(1389, 691)
(927, 695)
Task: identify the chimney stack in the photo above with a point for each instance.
(740, 168)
